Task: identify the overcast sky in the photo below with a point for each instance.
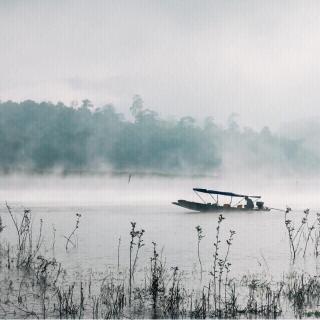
(260, 59)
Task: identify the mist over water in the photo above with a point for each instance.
(48, 138)
(60, 160)
(108, 204)
(80, 191)
(220, 95)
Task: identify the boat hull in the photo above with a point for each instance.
(209, 207)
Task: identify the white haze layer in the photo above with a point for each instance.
(208, 58)
(108, 205)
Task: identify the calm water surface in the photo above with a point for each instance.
(108, 205)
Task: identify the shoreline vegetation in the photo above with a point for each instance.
(35, 285)
(109, 173)
(82, 138)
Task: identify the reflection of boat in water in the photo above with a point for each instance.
(215, 206)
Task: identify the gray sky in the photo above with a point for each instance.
(260, 59)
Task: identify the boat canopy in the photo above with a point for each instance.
(229, 194)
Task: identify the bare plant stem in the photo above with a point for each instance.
(200, 237)
(118, 257)
(308, 238)
(215, 261)
(73, 231)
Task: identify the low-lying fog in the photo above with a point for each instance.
(108, 205)
(79, 191)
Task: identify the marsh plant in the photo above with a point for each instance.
(136, 242)
(200, 236)
(157, 280)
(300, 236)
(317, 236)
(27, 250)
(71, 239)
(1, 225)
(34, 285)
(295, 234)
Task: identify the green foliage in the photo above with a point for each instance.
(39, 137)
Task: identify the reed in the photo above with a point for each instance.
(37, 286)
(72, 236)
(200, 236)
(135, 235)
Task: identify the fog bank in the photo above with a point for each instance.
(47, 138)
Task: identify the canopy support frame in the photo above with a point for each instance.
(199, 196)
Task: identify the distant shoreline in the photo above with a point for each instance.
(112, 173)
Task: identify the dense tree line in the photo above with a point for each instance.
(44, 136)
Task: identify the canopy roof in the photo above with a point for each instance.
(229, 194)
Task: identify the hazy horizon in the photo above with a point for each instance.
(43, 137)
(258, 60)
(112, 112)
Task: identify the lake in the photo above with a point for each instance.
(108, 204)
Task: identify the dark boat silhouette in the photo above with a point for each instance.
(215, 206)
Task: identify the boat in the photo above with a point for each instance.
(252, 203)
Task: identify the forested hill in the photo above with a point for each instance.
(41, 137)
